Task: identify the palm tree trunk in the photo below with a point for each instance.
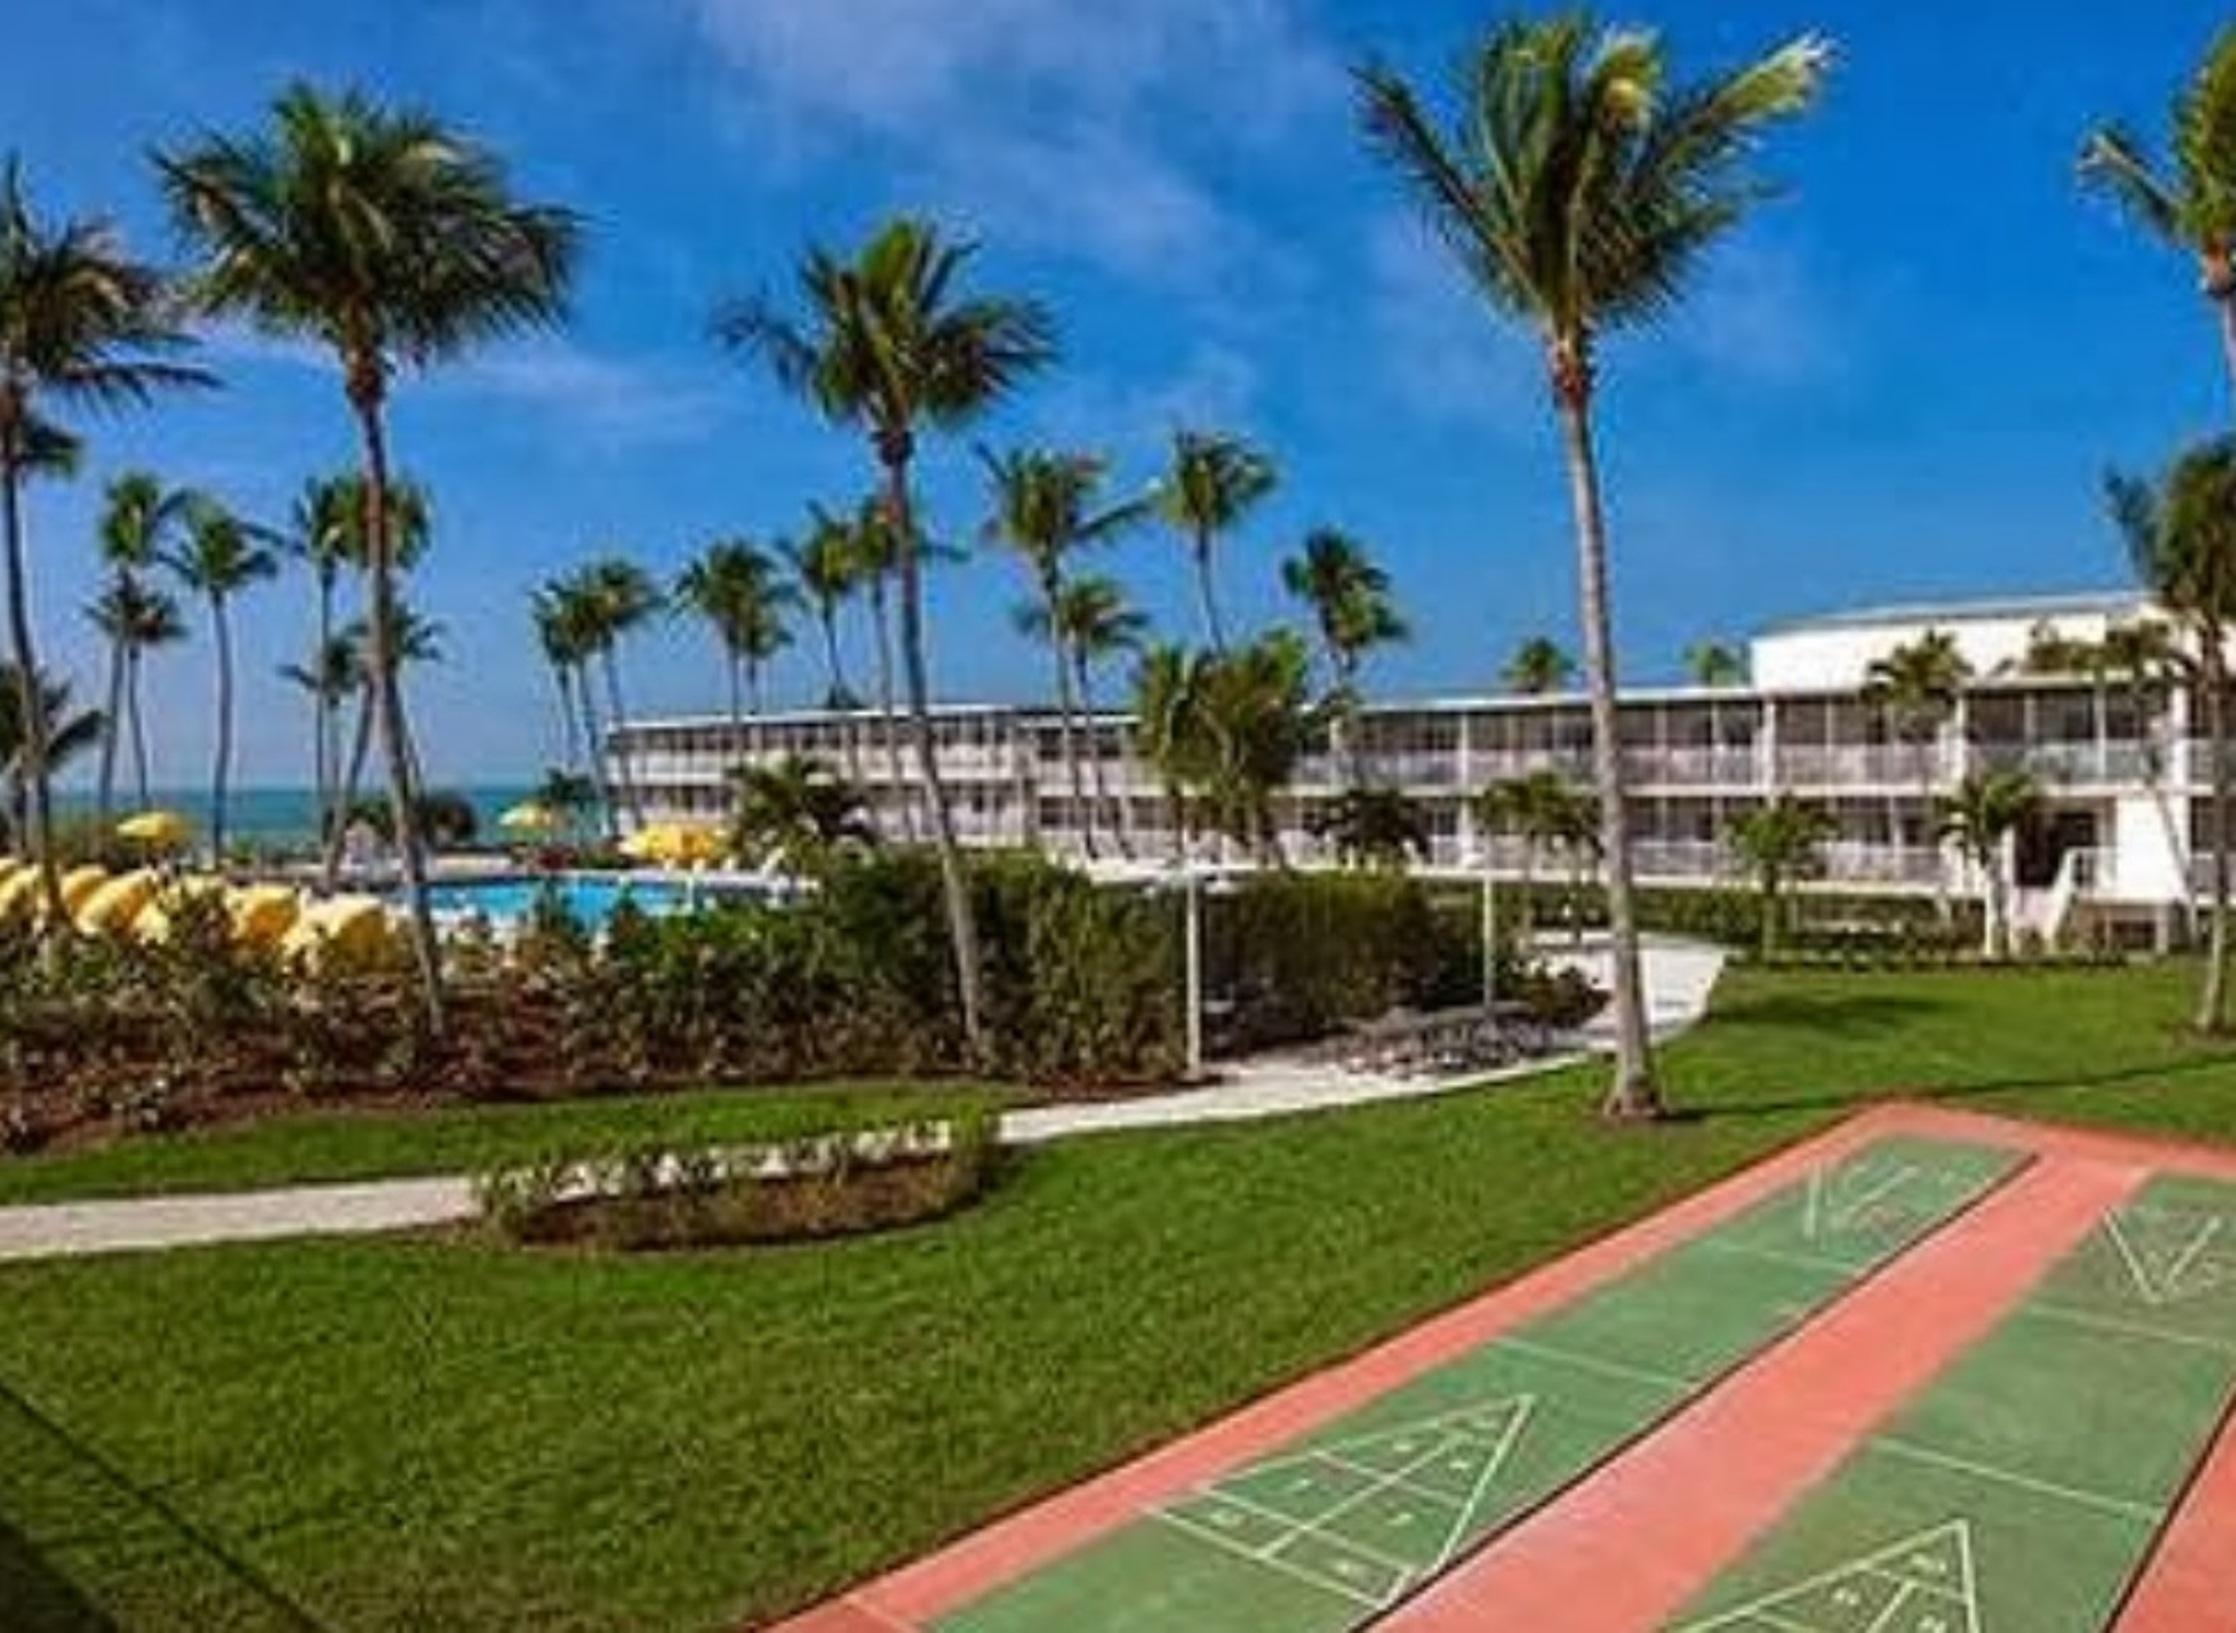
(586, 696)
(345, 794)
(1068, 737)
(841, 699)
(1121, 827)
(570, 734)
(2212, 999)
(403, 797)
(322, 705)
(734, 682)
(881, 614)
(221, 761)
(139, 728)
(962, 923)
(1207, 593)
(1632, 1093)
(111, 723)
(630, 793)
(36, 831)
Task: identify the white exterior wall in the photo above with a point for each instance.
(2145, 865)
(1836, 655)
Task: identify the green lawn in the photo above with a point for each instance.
(436, 1433)
(341, 1145)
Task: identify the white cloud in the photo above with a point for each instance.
(618, 403)
(615, 403)
(1756, 319)
(1130, 421)
(1447, 354)
(1052, 122)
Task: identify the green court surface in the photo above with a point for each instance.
(1334, 1529)
(2024, 1488)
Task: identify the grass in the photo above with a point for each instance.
(406, 1433)
(344, 1145)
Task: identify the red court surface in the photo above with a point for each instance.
(1626, 1548)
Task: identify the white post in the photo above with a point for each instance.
(1490, 933)
(1193, 893)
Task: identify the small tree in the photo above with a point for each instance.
(799, 814)
(1715, 664)
(1538, 667)
(1919, 684)
(1779, 843)
(1373, 827)
(1986, 809)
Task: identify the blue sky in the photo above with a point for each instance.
(1904, 380)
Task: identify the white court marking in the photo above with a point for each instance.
(1929, 1573)
(1466, 1430)
(2125, 1508)
(2160, 1279)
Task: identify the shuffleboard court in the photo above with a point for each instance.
(2023, 1490)
(1331, 1531)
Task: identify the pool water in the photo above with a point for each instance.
(589, 898)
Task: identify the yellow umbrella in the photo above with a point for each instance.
(348, 930)
(79, 884)
(117, 903)
(19, 890)
(158, 919)
(530, 816)
(262, 914)
(165, 829)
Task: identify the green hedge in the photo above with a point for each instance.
(1732, 915)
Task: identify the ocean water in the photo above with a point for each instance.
(272, 815)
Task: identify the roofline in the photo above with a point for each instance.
(1980, 610)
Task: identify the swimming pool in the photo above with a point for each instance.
(590, 898)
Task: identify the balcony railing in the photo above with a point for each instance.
(1857, 764)
(2063, 763)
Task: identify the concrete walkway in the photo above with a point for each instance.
(1679, 977)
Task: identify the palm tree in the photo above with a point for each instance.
(1715, 664)
(327, 533)
(2191, 206)
(889, 344)
(69, 735)
(222, 556)
(1097, 625)
(1253, 713)
(135, 618)
(732, 588)
(138, 516)
(395, 243)
(827, 571)
(619, 598)
(84, 325)
(1778, 843)
(567, 619)
(1348, 595)
(2181, 538)
(568, 795)
(1538, 668)
(1165, 733)
(417, 641)
(1919, 684)
(877, 555)
(1546, 812)
(1579, 188)
(329, 676)
(799, 814)
(1044, 511)
(1984, 810)
(1213, 482)
(1373, 827)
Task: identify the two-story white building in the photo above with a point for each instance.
(2123, 770)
